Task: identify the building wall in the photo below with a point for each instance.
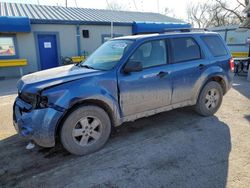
(95, 35)
(235, 39)
(67, 36)
(67, 40)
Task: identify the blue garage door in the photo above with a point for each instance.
(47, 51)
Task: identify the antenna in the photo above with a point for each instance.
(66, 3)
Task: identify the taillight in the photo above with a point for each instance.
(231, 64)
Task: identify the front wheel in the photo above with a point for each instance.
(210, 99)
(85, 130)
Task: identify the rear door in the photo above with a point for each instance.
(188, 62)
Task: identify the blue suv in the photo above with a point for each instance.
(125, 79)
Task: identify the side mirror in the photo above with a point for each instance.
(133, 66)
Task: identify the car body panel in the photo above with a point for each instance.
(38, 125)
(51, 77)
(144, 90)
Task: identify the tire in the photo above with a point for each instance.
(210, 99)
(85, 130)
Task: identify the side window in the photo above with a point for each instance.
(185, 49)
(7, 47)
(151, 54)
(215, 45)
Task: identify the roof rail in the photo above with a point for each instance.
(183, 30)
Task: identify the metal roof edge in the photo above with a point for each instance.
(75, 22)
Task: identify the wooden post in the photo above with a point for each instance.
(248, 75)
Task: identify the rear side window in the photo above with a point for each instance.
(215, 45)
(185, 49)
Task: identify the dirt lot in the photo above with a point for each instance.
(172, 149)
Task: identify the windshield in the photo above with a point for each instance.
(107, 55)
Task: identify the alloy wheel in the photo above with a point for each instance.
(87, 131)
(212, 99)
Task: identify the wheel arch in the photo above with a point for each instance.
(95, 102)
(217, 78)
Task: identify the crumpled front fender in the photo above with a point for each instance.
(38, 125)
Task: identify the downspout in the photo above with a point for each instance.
(78, 40)
(225, 38)
(112, 30)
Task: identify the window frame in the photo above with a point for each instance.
(13, 36)
(166, 41)
(207, 46)
(172, 61)
(122, 57)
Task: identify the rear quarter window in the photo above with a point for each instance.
(215, 45)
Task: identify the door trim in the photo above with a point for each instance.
(36, 33)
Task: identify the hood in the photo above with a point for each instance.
(51, 77)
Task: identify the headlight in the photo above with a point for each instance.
(35, 100)
(29, 98)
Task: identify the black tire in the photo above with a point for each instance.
(77, 123)
(206, 104)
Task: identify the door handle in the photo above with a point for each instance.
(201, 66)
(162, 74)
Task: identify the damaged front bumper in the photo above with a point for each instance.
(38, 125)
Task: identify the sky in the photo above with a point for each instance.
(178, 7)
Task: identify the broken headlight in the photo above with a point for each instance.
(35, 100)
(42, 102)
(29, 98)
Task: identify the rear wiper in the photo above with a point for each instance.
(87, 66)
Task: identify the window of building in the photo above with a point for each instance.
(185, 49)
(7, 46)
(215, 45)
(151, 54)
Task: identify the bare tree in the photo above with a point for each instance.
(236, 11)
(114, 5)
(198, 14)
(216, 13)
(169, 12)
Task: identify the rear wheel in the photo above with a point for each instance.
(85, 130)
(210, 99)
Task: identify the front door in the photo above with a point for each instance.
(150, 88)
(48, 51)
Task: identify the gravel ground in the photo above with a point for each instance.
(172, 149)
